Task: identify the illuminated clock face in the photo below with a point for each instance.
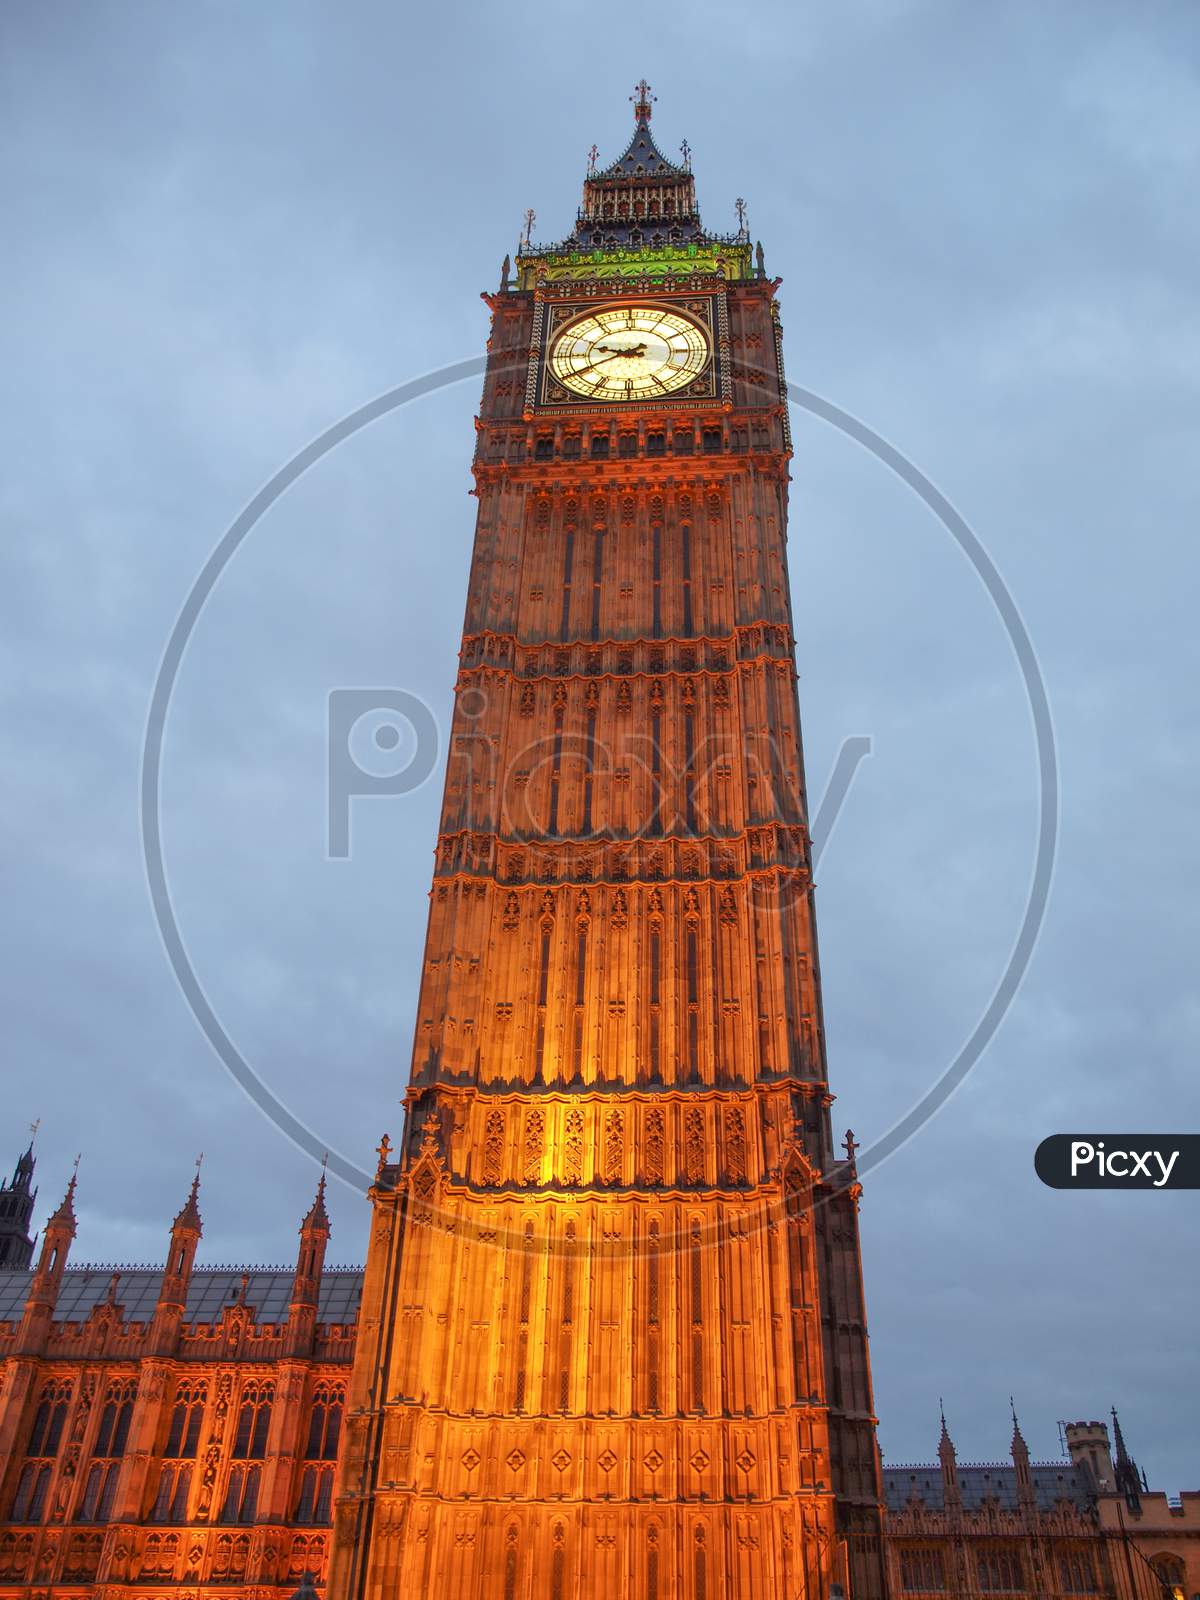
(629, 353)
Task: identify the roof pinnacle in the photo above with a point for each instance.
(66, 1211)
(189, 1217)
(643, 101)
(317, 1216)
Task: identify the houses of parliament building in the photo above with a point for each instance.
(610, 1336)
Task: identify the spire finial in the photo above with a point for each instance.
(643, 100)
(685, 150)
(740, 206)
(33, 1130)
(530, 219)
(593, 157)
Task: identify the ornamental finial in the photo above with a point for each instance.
(593, 157)
(530, 219)
(383, 1151)
(741, 215)
(851, 1144)
(642, 101)
(685, 150)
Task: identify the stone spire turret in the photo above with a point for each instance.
(47, 1278)
(1020, 1455)
(177, 1272)
(1129, 1480)
(951, 1492)
(306, 1282)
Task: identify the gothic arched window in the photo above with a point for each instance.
(325, 1422)
(254, 1420)
(183, 1436)
(49, 1419)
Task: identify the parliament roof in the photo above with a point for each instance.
(267, 1289)
(1052, 1481)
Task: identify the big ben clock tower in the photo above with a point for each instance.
(612, 1340)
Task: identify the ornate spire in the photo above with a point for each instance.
(64, 1217)
(1129, 1480)
(317, 1216)
(1016, 1438)
(189, 1217)
(1020, 1454)
(16, 1242)
(948, 1456)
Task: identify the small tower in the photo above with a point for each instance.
(1129, 1480)
(1020, 1455)
(47, 1277)
(177, 1272)
(951, 1492)
(1088, 1446)
(306, 1282)
(16, 1212)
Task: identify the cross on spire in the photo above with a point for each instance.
(741, 214)
(593, 157)
(33, 1130)
(642, 101)
(685, 150)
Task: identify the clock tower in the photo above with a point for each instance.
(612, 1341)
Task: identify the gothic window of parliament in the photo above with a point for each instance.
(108, 1449)
(999, 1572)
(249, 1447)
(179, 1451)
(1076, 1574)
(29, 1501)
(921, 1572)
(315, 1503)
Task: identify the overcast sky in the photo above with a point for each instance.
(228, 225)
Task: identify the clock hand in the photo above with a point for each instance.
(579, 371)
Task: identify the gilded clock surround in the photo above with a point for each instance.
(629, 352)
(557, 316)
